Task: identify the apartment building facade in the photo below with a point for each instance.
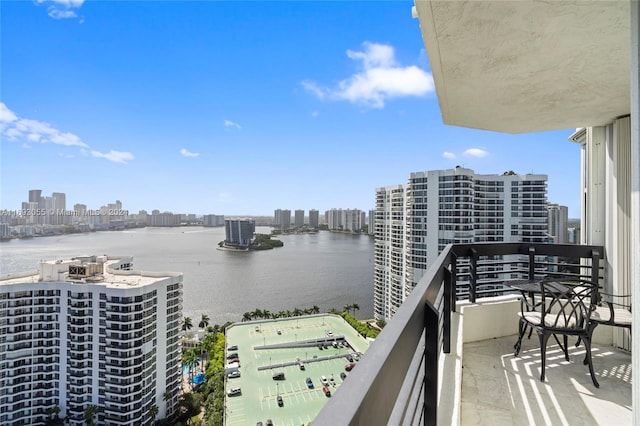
(89, 331)
(415, 221)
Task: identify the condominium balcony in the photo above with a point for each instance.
(442, 360)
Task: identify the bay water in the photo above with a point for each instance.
(326, 269)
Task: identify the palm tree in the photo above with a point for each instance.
(204, 321)
(315, 309)
(190, 359)
(347, 308)
(355, 308)
(153, 411)
(247, 316)
(282, 314)
(167, 395)
(89, 414)
(187, 324)
(266, 314)
(297, 312)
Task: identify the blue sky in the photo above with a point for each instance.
(235, 108)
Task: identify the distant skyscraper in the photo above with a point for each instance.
(415, 221)
(347, 220)
(213, 220)
(89, 331)
(313, 218)
(35, 195)
(558, 223)
(239, 232)
(282, 218)
(299, 218)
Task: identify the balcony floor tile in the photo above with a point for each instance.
(498, 388)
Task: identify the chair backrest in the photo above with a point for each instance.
(567, 305)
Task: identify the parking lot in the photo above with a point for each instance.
(266, 348)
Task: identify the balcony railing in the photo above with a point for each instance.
(397, 380)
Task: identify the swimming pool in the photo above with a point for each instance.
(185, 367)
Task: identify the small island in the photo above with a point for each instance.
(259, 242)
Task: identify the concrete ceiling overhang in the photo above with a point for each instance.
(524, 66)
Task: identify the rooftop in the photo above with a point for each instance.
(269, 347)
(112, 271)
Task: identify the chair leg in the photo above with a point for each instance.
(587, 345)
(543, 352)
(592, 326)
(566, 348)
(522, 328)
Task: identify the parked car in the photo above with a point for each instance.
(326, 391)
(279, 331)
(278, 376)
(309, 382)
(324, 380)
(301, 365)
(330, 333)
(233, 355)
(280, 401)
(269, 423)
(349, 358)
(343, 375)
(234, 391)
(349, 367)
(232, 348)
(233, 374)
(259, 424)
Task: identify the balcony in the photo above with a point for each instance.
(401, 379)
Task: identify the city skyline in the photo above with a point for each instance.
(188, 113)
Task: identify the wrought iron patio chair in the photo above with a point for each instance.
(561, 308)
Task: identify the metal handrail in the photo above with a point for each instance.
(397, 379)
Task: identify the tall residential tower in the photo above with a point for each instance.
(415, 221)
(89, 331)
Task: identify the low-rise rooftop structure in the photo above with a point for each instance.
(278, 357)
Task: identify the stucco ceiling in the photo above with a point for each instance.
(525, 66)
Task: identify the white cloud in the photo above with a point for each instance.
(312, 87)
(15, 128)
(6, 115)
(448, 155)
(186, 153)
(380, 79)
(115, 156)
(29, 131)
(56, 13)
(62, 9)
(229, 123)
(475, 152)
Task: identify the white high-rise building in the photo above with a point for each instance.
(558, 223)
(417, 220)
(314, 218)
(282, 218)
(213, 220)
(89, 331)
(298, 218)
